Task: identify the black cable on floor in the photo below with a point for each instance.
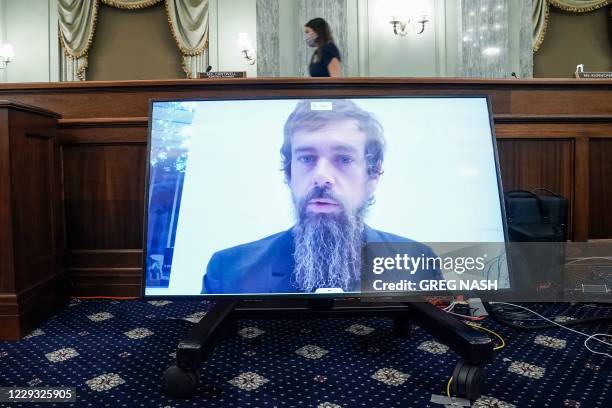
(502, 319)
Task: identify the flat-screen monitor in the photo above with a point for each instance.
(323, 197)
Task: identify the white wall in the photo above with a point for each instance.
(514, 20)
(2, 34)
(31, 27)
(450, 10)
(393, 55)
(287, 20)
(228, 18)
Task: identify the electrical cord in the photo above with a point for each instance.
(525, 312)
(590, 258)
(594, 336)
(590, 305)
(523, 316)
(588, 336)
(449, 309)
(501, 317)
(472, 318)
(479, 327)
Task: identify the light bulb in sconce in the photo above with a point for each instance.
(246, 48)
(399, 25)
(403, 25)
(6, 54)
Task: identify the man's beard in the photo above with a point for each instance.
(327, 246)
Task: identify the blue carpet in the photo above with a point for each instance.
(114, 353)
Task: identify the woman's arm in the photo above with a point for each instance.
(334, 67)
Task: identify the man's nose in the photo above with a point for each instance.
(324, 174)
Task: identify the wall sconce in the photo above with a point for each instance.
(6, 54)
(246, 48)
(402, 28)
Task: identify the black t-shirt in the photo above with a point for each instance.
(329, 51)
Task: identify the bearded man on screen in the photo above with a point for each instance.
(332, 157)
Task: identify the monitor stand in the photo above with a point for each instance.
(475, 348)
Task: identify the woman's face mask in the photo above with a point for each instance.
(311, 39)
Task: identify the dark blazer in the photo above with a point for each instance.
(266, 266)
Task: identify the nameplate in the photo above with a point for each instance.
(594, 75)
(222, 74)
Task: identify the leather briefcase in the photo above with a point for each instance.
(535, 217)
(539, 220)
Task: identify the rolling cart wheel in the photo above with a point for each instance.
(468, 380)
(179, 383)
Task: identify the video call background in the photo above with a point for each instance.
(216, 179)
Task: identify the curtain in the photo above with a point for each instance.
(525, 49)
(188, 20)
(484, 49)
(541, 11)
(77, 21)
(130, 4)
(495, 38)
(268, 53)
(189, 25)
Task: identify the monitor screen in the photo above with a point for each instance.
(312, 197)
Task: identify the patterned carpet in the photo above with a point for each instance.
(114, 353)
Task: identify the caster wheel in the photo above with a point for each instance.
(179, 383)
(468, 380)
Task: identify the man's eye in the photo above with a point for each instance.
(345, 159)
(306, 159)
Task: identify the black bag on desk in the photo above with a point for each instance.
(536, 218)
(540, 221)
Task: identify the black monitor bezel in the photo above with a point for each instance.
(499, 294)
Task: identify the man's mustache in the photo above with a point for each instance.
(319, 192)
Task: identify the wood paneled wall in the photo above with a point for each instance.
(104, 167)
(33, 282)
(554, 134)
(600, 184)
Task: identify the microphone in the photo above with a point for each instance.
(209, 68)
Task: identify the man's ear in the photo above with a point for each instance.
(372, 183)
(287, 176)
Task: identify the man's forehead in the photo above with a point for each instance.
(343, 134)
